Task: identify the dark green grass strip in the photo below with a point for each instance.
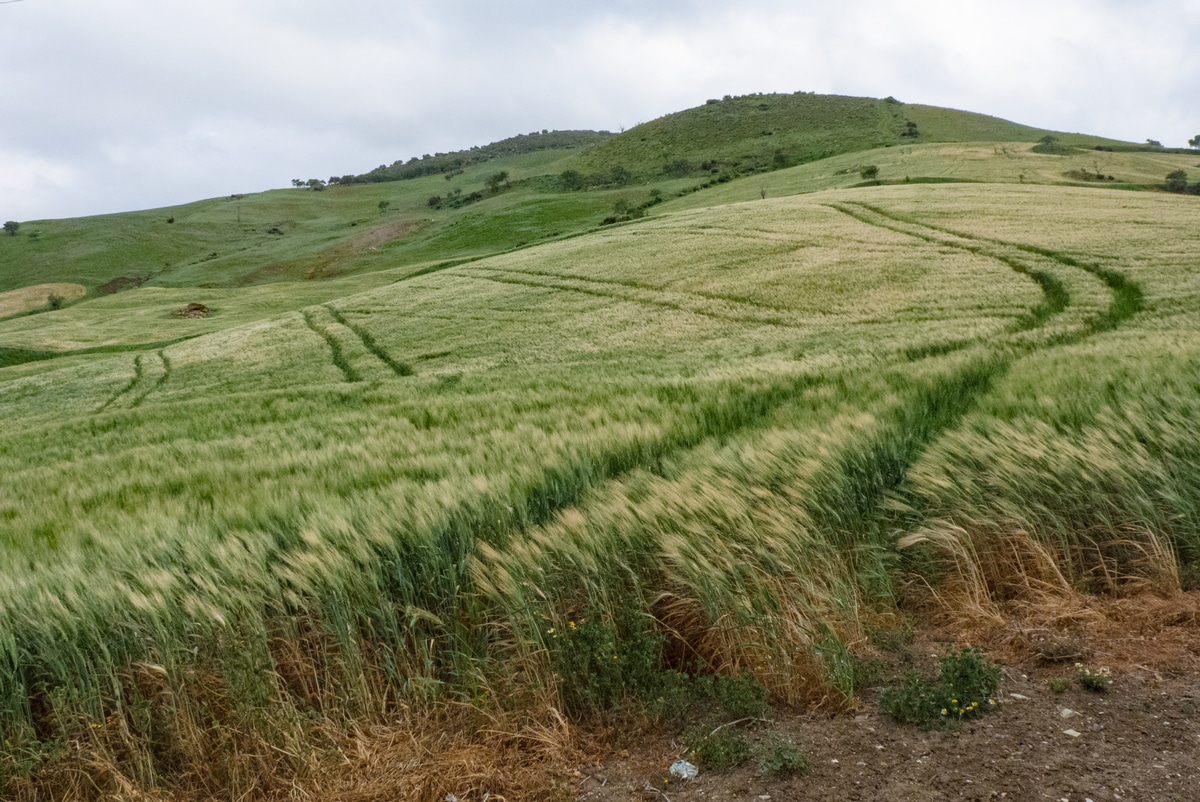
(339, 356)
(19, 356)
(849, 496)
(920, 179)
(137, 377)
(399, 368)
(1055, 297)
(166, 363)
(10, 356)
(1128, 297)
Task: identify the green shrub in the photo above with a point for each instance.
(716, 750)
(1058, 684)
(600, 663)
(780, 757)
(866, 673)
(1049, 145)
(1177, 181)
(964, 690)
(55, 301)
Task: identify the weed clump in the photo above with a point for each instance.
(780, 757)
(964, 690)
(721, 749)
(1097, 680)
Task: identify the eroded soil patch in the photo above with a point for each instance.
(331, 261)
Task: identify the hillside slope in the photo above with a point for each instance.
(759, 132)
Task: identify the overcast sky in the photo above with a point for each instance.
(112, 105)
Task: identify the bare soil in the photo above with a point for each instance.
(1139, 740)
(331, 262)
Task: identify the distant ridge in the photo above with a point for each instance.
(447, 163)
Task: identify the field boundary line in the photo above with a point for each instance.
(726, 299)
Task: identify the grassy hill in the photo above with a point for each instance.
(500, 458)
(754, 133)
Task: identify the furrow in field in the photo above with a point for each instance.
(165, 364)
(633, 285)
(369, 342)
(1074, 299)
(1127, 295)
(349, 350)
(335, 347)
(133, 382)
(1124, 300)
(728, 311)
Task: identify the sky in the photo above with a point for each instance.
(115, 105)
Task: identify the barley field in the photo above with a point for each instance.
(732, 434)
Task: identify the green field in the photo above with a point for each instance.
(411, 447)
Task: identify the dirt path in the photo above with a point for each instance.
(1140, 740)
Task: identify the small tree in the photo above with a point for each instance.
(1154, 143)
(383, 205)
(496, 180)
(1177, 181)
(869, 173)
(11, 227)
(1194, 142)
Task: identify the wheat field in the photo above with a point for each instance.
(728, 433)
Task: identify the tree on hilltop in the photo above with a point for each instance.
(11, 227)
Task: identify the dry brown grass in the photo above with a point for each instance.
(14, 302)
(458, 749)
(1011, 594)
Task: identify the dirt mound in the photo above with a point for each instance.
(193, 310)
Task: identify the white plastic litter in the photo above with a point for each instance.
(681, 768)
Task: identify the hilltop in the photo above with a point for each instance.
(761, 132)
